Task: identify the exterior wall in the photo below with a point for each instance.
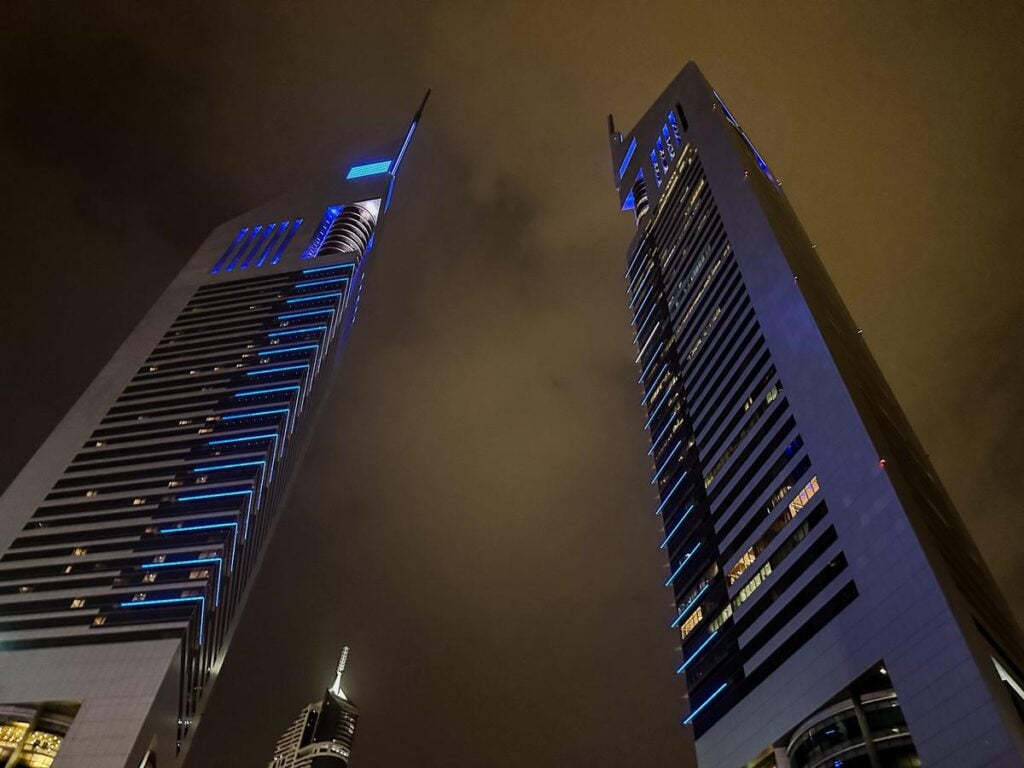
(910, 612)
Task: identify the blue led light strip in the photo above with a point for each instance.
(317, 297)
(677, 526)
(199, 561)
(654, 357)
(369, 169)
(295, 331)
(287, 350)
(244, 439)
(640, 308)
(669, 495)
(707, 701)
(686, 559)
(310, 313)
(654, 384)
(650, 338)
(270, 391)
(209, 527)
(327, 281)
(314, 270)
(667, 461)
(657, 440)
(654, 413)
(647, 319)
(629, 156)
(278, 369)
(405, 146)
(172, 600)
(252, 415)
(696, 653)
(690, 605)
(287, 239)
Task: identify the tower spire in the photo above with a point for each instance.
(336, 687)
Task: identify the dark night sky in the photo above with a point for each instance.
(474, 517)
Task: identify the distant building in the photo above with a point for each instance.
(129, 541)
(321, 736)
(831, 607)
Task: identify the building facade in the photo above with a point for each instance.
(130, 539)
(831, 607)
(322, 734)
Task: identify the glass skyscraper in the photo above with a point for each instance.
(831, 608)
(322, 734)
(130, 539)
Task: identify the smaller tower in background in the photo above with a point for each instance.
(322, 734)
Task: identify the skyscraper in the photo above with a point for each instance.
(130, 539)
(831, 607)
(321, 736)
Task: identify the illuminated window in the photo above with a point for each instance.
(78, 552)
(690, 624)
(78, 602)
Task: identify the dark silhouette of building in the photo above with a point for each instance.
(322, 734)
(832, 608)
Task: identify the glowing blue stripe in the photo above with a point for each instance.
(639, 309)
(653, 358)
(686, 559)
(286, 350)
(696, 653)
(228, 440)
(654, 383)
(311, 312)
(251, 415)
(279, 369)
(676, 527)
(295, 331)
(667, 461)
(647, 319)
(650, 338)
(200, 561)
(654, 413)
(707, 701)
(405, 146)
(629, 156)
(369, 169)
(328, 281)
(179, 600)
(204, 527)
(237, 464)
(639, 273)
(315, 270)
(317, 297)
(657, 440)
(220, 495)
(669, 496)
(690, 605)
(264, 391)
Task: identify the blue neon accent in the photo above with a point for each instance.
(273, 241)
(229, 466)
(647, 319)
(161, 601)
(690, 605)
(369, 169)
(267, 231)
(328, 281)
(405, 146)
(287, 239)
(640, 308)
(629, 156)
(677, 526)
(686, 559)
(314, 270)
(649, 364)
(270, 391)
(657, 440)
(654, 384)
(241, 233)
(294, 331)
(667, 461)
(279, 369)
(171, 564)
(669, 496)
(696, 653)
(220, 495)
(245, 246)
(252, 414)
(286, 350)
(311, 312)
(654, 413)
(205, 527)
(228, 440)
(317, 297)
(629, 203)
(707, 701)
